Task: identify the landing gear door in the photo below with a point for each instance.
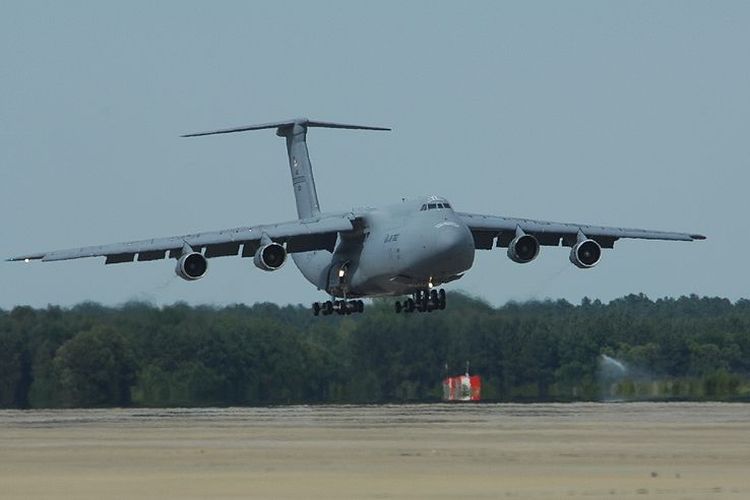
(338, 279)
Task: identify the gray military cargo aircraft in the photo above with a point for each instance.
(407, 249)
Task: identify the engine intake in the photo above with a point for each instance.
(270, 257)
(586, 254)
(523, 248)
(191, 266)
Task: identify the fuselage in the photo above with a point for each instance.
(396, 250)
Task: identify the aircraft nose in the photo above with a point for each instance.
(455, 245)
(449, 238)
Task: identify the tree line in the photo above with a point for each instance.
(140, 355)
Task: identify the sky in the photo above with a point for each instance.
(633, 114)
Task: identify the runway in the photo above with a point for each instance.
(628, 450)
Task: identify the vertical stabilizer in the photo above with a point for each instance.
(295, 132)
(300, 167)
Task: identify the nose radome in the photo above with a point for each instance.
(454, 248)
(450, 238)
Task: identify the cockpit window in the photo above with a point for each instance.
(434, 206)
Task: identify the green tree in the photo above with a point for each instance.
(95, 368)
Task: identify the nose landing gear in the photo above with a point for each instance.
(338, 285)
(422, 301)
(338, 306)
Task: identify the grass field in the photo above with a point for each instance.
(638, 450)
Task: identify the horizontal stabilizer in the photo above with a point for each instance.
(304, 122)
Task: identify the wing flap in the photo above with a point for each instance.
(153, 255)
(222, 249)
(308, 243)
(249, 248)
(119, 258)
(483, 239)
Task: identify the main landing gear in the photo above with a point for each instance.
(422, 301)
(338, 306)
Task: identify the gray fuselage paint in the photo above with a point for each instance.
(398, 250)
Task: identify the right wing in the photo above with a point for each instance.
(299, 236)
(489, 230)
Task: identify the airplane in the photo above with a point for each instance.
(404, 249)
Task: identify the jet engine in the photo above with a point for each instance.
(270, 257)
(586, 254)
(523, 248)
(191, 266)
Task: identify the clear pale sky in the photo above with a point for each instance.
(634, 114)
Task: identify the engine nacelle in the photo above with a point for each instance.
(586, 254)
(191, 266)
(523, 248)
(270, 257)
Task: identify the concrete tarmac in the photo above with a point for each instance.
(627, 450)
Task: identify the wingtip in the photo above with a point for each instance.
(697, 236)
(25, 258)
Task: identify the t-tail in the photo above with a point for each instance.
(295, 132)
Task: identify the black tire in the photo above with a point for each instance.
(409, 305)
(398, 306)
(417, 298)
(316, 308)
(433, 303)
(441, 299)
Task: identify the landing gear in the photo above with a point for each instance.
(337, 306)
(422, 301)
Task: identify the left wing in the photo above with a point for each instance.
(485, 228)
(299, 236)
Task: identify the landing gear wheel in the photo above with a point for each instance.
(340, 307)
(424, 300)
(409, 305)
(433, 302)
(418, 302)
